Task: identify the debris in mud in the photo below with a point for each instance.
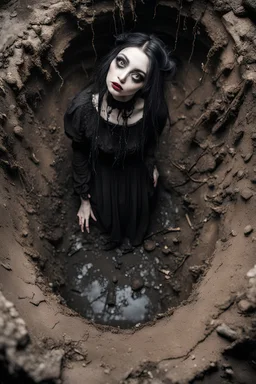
(245, 306)
(197, 270)
(32, 253)
(149, 245)
(248, 230)
(6, 266)
(137, 284)
(226, 332)
(18, 131)
(246, 193)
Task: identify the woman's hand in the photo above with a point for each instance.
(84, 214)
(155, 176)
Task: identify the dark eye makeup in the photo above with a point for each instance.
(137, 77)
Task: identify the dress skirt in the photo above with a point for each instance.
(120, 199)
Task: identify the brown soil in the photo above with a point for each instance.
(207, 165)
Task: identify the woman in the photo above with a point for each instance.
(114, 125)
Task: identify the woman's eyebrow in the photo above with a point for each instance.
(128, 61)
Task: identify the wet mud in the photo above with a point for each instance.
(124, 287)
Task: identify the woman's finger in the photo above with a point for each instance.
(87, 224)
(93, 216)
(82, 224)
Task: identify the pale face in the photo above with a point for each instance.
(127, 73)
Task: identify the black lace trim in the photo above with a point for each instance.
(125, 108)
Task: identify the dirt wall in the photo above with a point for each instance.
(206, 160)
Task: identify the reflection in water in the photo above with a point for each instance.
(128, 305)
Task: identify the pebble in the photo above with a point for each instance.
(232, 151)
(245, 306)
(226, 332)
(114, 279)
(247, 230)
(248, 157)
(229, 372)
(233, 233)
(240, 174)
(149, 245)
(246, 193)
(137, 284)
(189, 103)
(34, 159)
(166, 250)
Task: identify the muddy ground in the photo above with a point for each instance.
(179, 308)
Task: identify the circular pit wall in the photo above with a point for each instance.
(161, 306)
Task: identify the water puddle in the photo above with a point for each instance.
(112, 288)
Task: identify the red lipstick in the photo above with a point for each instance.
(116, 87)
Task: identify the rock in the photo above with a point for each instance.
(37, 29)
(18, 131)
(229, 371)
(246, 193)
(207, 163)
(232, 151)
(220, 156)
(240, 174)
(54, 237)
(189, 103)
(245, 306)
(32, 253)
(38, 298)
(166, 250)
(34, 159)
(137, 284)
(248, 157)
(233, 233)
(225, 331)
(196, 270)
(49, 368)
(115, 279)
(149, 245)
(247, 230)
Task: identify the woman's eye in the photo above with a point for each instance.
(137, 78)
(120, 62)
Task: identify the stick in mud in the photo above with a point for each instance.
(164, 231)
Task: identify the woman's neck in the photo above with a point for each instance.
(123, 99)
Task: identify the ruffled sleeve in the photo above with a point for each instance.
(75, 129)
(74, 119)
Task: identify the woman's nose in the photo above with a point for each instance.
(122, 78)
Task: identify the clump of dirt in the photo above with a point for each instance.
(188, 278)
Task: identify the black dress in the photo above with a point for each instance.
(120, 184)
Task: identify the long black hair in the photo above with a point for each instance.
(153, 92)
